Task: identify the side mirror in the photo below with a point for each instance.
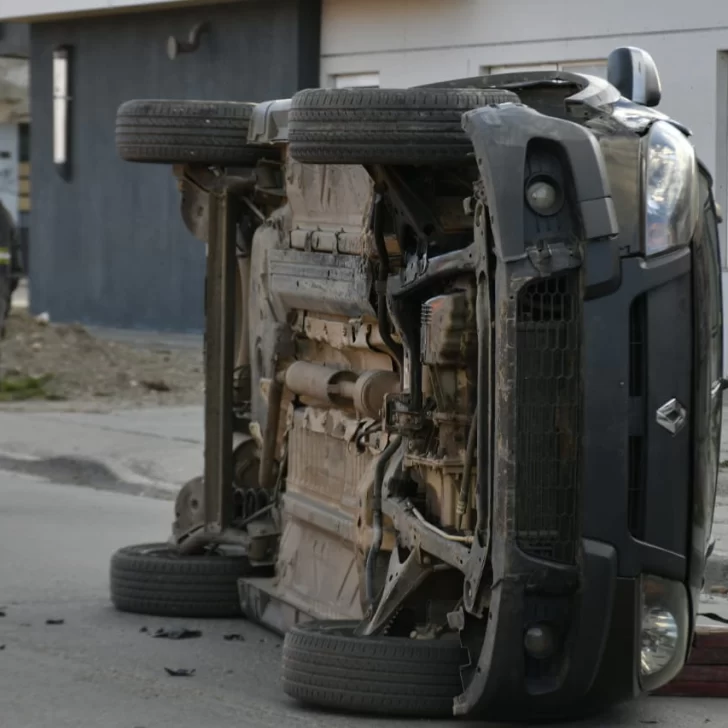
(633, 73)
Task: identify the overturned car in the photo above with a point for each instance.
(463, 388)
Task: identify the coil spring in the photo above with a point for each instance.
(250, 501)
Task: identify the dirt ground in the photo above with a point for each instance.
(50, 362)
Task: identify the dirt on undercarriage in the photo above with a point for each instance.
(43, 362)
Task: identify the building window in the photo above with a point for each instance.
(589, 68)
(23, 142)
(61, 108)
(357, 80)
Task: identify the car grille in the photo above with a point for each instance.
(549, 416)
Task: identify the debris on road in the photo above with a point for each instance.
(233, 637)
(182, 672)
(156, 385)
(144, 630)
(177, 634)
(55, 622)
(45, 361)
(2, 647)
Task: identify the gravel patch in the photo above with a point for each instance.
(55, 363)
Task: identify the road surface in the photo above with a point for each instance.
(98, 670)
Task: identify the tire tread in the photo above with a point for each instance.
(166, 131)
(179, 586)
(385, 126)
(384, 675)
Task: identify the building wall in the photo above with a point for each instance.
(109, 246)
(9, 153)
(412, 42)
(14, 39)
(32, 10)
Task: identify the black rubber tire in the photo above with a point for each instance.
(384, 126)
(154, 579)
(165, 131)
(326, 666)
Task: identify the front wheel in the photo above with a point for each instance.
(325, 665)
(415, 126)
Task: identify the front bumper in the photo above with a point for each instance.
(562, 547)
(596, 667)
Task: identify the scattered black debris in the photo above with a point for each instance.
(177, 634)
(155, 385)
(144, 630)
(2, 612)
(229, 672)
(278, 645)
(233, 637)
(55, 622)
(182, 672)
(2, 647)
(262, 640)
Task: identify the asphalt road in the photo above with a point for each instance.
(98, 670)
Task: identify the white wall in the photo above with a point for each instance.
(412, 42)
(9, 168)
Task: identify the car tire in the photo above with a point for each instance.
(164, 131)
(325, 665)
(385, 126)
(155, 579)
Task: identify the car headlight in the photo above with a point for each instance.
(671, 189)
(664, 631)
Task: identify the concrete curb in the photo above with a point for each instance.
(716, 570)
(97, 473)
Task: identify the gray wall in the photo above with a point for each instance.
(109, 247)
(15, 39)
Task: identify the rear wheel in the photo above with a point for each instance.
(385, 126)
(157, 579)
(164, 131)
(325, 665)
